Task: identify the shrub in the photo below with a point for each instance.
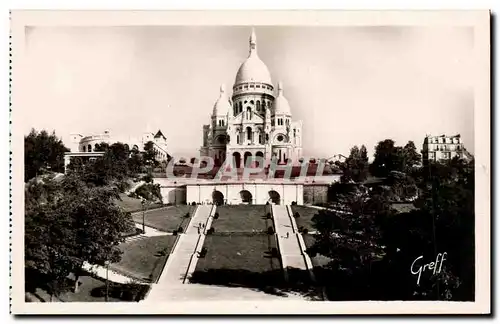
(216, 216)
(268, 215)
(296, 215)
(203, 252)
(305, 230)
(294, 203)
(193, 203)
(180, 229)
(270, 230)
(174, 233)
(267, 203)
(187, 215)
(211, 230)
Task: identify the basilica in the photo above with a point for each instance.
(254, 121)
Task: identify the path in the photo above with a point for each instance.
(182, 261)
(289, 240)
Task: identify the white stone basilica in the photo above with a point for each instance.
(253, 121)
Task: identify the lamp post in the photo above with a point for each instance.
(107, 282)
(143, 202)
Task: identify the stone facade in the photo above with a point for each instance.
(442, 148)
(253, 122)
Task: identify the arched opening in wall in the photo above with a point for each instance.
(241, 108)
(96, 147)
(246, 197)
(249, 133)
(217, 198)
(260, 155)
(249, 113)
(84, 149)
(135, 148)
(127, 148)
(258, 105)
(89, 148)
(246, 157)
(274, 197)
(237, 159)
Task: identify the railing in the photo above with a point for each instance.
(283, 263)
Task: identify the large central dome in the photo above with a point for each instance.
(253, 69)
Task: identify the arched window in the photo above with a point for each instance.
(235, 109)
(249, 133)
(263, 105)
(89, 148)
(249, 113)
(260, 138)
(84, 148)
(258, 105)
(241, 108)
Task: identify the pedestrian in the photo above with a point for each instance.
(287, 234)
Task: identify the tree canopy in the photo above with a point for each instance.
(68, 223)
(42, 152)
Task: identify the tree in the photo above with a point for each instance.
(386, 159)
(111, 168)
(351, 238)
(355, 167)
(68, 223)
(412, 158)
(42, 153)
(150, 154)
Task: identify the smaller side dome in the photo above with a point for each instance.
(281, 105)
(222, 106)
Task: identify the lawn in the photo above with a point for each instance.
(88, 291)
(133, 204)
(166, 219)
(306, 215)
(142, 259)
(242, 219)
(239, 260)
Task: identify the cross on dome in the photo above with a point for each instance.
(253, 42)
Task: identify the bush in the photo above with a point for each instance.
(268, 215)
(294, 203)
(296, 215)
(211, 230)
(267, 203)
(305, 230)
(187, 215)
(174, 233)
(216, 216)
(180, 229)
(203, 252)
(193, 203)
(270, 230)
(126, 292)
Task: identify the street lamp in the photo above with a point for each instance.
(143, 202)
(107, 282)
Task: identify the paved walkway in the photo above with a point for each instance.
(291, 252)
(182, 261)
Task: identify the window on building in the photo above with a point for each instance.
(258, 105)
(89, 148)
(238, 139)
(260, 138)
(241, 107)
(272, 122)
(249, 133)
(257, 86)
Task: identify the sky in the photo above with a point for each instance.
(349, 85)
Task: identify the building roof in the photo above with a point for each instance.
(281, 105)
(222, 106)
(159, 134)
(253, 69)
